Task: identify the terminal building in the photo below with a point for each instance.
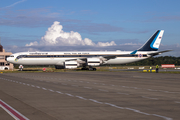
(4, 65)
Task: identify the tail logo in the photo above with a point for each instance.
(157, 40)
(140, 55)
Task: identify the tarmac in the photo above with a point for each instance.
(91, 95)
(160, 70)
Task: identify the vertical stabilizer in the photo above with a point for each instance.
(153, 43)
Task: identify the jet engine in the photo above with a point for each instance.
(71, 64)
(94, 61)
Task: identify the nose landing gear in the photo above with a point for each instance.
(20, 67)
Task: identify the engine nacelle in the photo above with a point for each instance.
(71, 64)
(94, 61)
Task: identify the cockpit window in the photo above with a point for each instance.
(11, 56)
(21, 56)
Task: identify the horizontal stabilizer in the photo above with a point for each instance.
(159, 52)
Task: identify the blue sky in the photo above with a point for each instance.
(129, 23)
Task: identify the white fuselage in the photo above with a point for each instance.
(58, 58)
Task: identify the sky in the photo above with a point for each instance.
(73, 25)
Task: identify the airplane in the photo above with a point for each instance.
(88, 60)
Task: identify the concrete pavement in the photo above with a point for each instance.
(92, 95)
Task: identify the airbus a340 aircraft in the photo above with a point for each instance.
(89, 58)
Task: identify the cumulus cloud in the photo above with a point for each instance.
(55, 36)
(131, 43)
(112, 43)
(32, 44)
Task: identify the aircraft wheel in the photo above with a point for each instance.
(84, 69)
(94, 69)
(90, 68)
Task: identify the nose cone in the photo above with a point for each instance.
(9, 59)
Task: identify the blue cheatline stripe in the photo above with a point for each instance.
(134, 52)
(154, 41)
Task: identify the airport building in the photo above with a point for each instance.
(4, 65)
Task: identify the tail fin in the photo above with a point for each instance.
(153, 43)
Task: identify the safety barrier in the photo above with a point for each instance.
(149, 71)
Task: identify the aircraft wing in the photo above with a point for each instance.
(114, 56)
(159, 52)
(100, 58)
(104, 58)
(109, 57)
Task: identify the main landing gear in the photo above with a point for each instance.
(90, 68)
